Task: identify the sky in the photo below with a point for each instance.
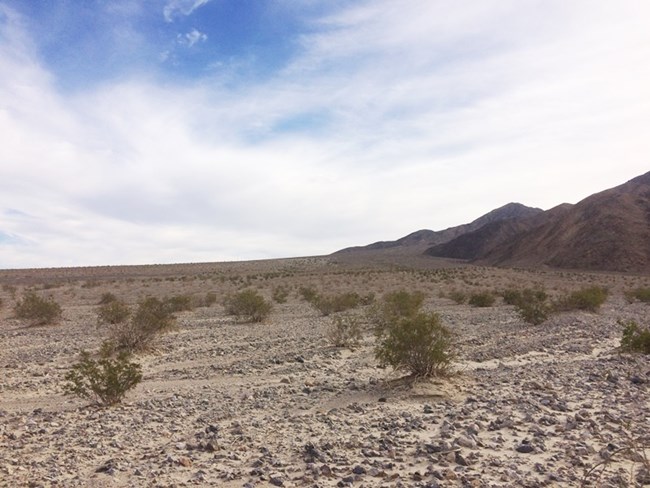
(167, 131)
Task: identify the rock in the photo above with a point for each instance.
(359, 470)
(525, 448)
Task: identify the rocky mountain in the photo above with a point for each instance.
(419, 241)
(608, 231)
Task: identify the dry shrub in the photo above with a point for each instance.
(589, 299)
(37, 310)
(635, 338)
(345, 331)
(482, 299)
(248, 305)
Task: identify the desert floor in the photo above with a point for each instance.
(225, 403)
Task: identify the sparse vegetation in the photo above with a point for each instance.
(418, 344)
(589, 299)
(37, 310)
(635, 338)
(641, 294)
(280, 294)
(248, 305)
(482, 299)
(105, 380)
(308, 293)
(531, 304)
(345, 331)
(327, 305)
(151, 319)
(113, 312)
(397, 305)
(178, 303)
(458, 296)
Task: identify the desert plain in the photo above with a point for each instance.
(233, 404)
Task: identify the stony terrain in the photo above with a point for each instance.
(274, 404)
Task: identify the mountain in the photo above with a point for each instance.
(417, 242)
(607, 231)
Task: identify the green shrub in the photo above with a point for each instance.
(327, 305)
(345, 331)
(640, 294)
(531, 304)
(178, 303)
(419, 344)
(635, 338)
(280, 294)
(209, 299)
(113, 312)
(589, 299)
(107, 298)
(482, 299)
(248, 305)
(402, 303)
(308, 293)
(37, 310)
(105, 380)
(458, 296)
(151, 319)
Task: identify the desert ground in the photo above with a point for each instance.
(233, 404)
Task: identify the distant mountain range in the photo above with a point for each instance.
(607, 231)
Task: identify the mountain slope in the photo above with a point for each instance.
(420, 240)
(607, 231)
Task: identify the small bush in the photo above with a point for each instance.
(178, 303)
(37, 310)
(531, 304)
(105, 380)
(589, 299)
(345, 331)
(419, 344)
(248, 305)
(458, 296)
(640, 294)
(280, 294)
(327, 305)
(113, 312)
(402, 303)
(482, 299)
(308, 293)
(107, 298)
(635, 338)
(151, 319)
(209, 299)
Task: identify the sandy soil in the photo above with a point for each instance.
(224, 403)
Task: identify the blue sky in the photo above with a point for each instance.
(206, 130)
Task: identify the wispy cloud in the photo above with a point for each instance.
(192, 37)
(391, 117)
(175, 8)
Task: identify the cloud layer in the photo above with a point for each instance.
(387, 119)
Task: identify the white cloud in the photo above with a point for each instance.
(190, 38)
(175, 8)
(429, 115)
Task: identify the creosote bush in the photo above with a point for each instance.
(531, 304)
(280, 294)
(635, 338)
(418, 344)
(248, 305)
(308, 293)
(641, 294)
(178, 303)
(482, 299)
(113, 312)
(589, 299)
(396, 305)
(327, 305)
(458, 296)
(345, 331)
(105, 380)
(37, 310)
(150, 319)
